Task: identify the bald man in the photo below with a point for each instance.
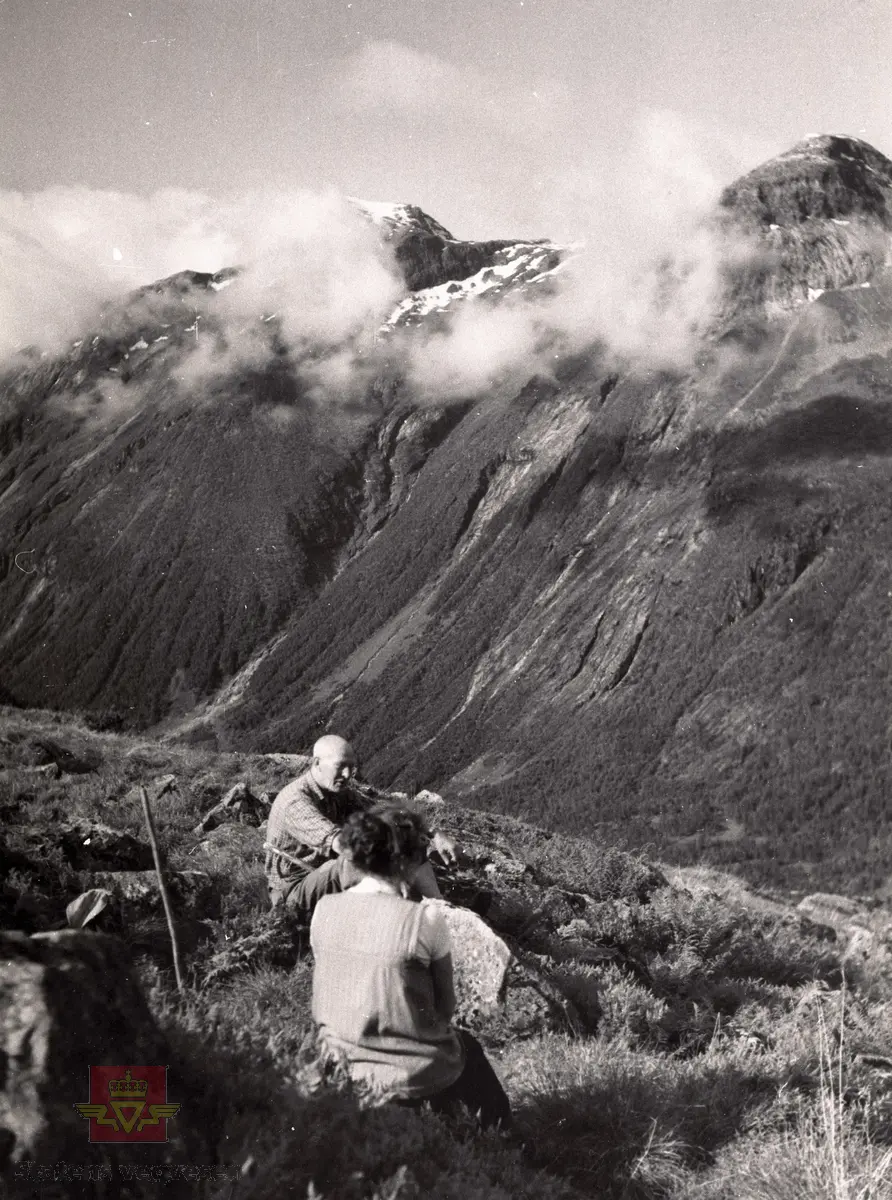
(303, 859)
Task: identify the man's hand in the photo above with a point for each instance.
(446, 847)
(336, 844)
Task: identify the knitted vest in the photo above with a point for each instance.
(373, 996)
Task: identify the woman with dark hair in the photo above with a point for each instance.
(383, 994)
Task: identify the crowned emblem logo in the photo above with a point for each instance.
(128, 1104)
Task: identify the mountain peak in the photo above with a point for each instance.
(819, 214)
(824, 176)
(395, 219)
(837, 147)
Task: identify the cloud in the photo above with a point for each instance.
(310, 258)
(392, 79)
(643, 283)
(389, 74)
(643, 278)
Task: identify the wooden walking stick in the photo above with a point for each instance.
(165, 898)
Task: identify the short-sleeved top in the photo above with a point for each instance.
(375, 996)
(303, 822)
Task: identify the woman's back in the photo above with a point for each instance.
(382, 991)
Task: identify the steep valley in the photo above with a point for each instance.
(640, 601)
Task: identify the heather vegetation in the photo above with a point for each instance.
(727, 1047)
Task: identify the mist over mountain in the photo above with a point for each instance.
(607, 549)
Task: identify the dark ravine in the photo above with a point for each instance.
(659, 600)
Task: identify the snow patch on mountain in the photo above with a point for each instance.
(518, 266)
(397, 218)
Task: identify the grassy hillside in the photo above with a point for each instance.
(738, 1054)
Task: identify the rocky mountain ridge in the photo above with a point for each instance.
(822, 215)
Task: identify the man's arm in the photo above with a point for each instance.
(303, 821)
(446, 846)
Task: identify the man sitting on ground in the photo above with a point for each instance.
(304, 855)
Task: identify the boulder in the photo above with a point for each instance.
(426, 797)
(228, 847)
(502, 866)
(826, 908)
(138, 895)
(89, 845)
(67, 1001)
(155, 790)
(501, 995)
(865, 933)
(51, 753)
(88, 907)
(238, 805)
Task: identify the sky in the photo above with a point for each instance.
(499, 117)
(145, 137)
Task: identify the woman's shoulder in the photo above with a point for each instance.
(357, 900)
(433, 931)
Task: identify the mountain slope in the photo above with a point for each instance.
(648, 601)
(634, 619)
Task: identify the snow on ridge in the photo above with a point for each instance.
(513, 268)
(516, 266)
(400, 216)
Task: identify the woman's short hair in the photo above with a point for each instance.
(385, 840)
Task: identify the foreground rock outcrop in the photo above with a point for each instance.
(502, 995)
(68, 1001)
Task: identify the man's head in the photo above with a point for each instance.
(334, 763)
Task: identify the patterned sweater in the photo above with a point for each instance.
(302, 824)
(382, 991)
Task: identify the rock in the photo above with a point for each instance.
(863, 944)
(503, 866)
(66, 760)
(480, 958)
(865, 933)
(426, 797)
(67, 1001)
(137, 892)
(88, 845)
(239, 804)
(87, 907)
(826, 908)
(155, 790)
(229, 847)
(500, 995)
